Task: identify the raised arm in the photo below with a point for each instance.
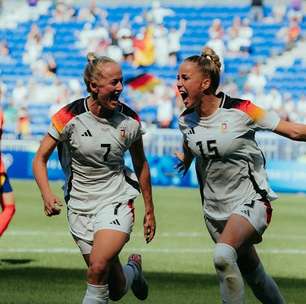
(51, 203)
(292, 130)
(142, 171)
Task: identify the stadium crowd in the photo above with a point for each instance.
(42, 63)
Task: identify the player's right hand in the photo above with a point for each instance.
(52, 204)
(180, 166)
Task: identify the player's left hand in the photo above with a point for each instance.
(149, 225)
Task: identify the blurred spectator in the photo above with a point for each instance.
(55, 107)
(290, 107)
(33, 46)
(20, 93)
(144, 48)
(295, 10)
(10, 114)
(174, 42)
(257, 10)
(51, 65)
(245, 34)
(23, 123)
(235, 41)
(230, 87)
(278, 13)
(161, 45)
(64, 11)
(126, 44)
(248, 93)
(216, 30)
(157, 13)
(47, 39)
(45, 67)
(5, 56)
(86, 14)
(3, 91)
(165, 110)
(274, 100)
(93, 39)
(256, 80)
(290, 34)
(301, 106)
(75, 89)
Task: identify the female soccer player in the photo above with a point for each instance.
(218, 131)
(91, 135)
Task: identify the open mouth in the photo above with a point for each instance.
(115, 96)
(184, 95)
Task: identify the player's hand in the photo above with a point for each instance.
(52, 204)
(149, 225)
(180, 166)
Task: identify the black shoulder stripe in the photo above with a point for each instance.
(232, 102)
(128, 111)
(77, 107)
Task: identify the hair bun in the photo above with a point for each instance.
(91, 56)
(210, 54)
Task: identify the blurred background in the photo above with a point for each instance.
(43, 47)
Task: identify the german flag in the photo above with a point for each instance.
(144, 82)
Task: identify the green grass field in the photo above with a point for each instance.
(40, 264)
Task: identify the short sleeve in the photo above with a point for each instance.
(53, 132)
(59, 121)
(262, 118)
(138, 131)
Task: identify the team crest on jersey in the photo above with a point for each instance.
(224, 126)
(123, 133)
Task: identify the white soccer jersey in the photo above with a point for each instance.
(230, 166)
(91, 153)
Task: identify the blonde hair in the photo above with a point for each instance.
(209, 64)
(94, 68)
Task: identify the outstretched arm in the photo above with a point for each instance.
(142, 171)
(51, 203)
(292, 130)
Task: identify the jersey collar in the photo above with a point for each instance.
(223, 98)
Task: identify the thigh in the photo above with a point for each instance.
(257, 213)
(107, 245)
(238, 232)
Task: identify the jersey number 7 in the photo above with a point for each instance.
(107, 147)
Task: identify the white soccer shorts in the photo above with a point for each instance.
(115, 216)
(258, 214)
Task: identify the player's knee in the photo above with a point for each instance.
(98, 268)
(224, 256)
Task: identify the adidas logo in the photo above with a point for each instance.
(246, 212)
(191, 131)
(87, 133)
(115, 222)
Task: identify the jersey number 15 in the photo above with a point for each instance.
(211, 148)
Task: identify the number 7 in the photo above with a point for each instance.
(108, 147)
